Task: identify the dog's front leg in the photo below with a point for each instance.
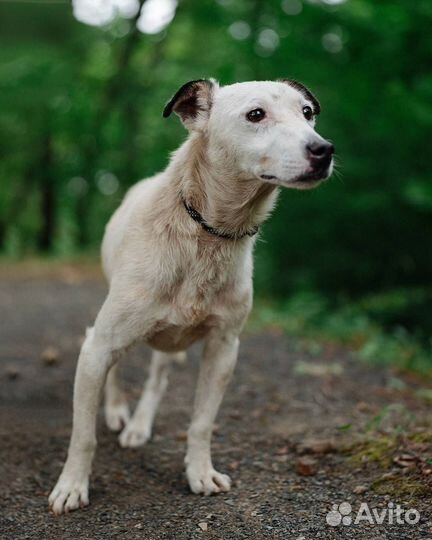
(219, 359)
(71, 490)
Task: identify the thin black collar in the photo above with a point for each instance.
(196, 216)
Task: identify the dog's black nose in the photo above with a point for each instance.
(320, 150)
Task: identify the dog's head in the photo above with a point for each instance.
(264, 129)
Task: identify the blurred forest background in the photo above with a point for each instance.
(82, 88)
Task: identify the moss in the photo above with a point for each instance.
(400, 486)
(421, 437)
(381, 451)
(376, 450)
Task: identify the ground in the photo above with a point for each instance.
(304, 426)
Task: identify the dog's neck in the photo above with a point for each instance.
(227, 200)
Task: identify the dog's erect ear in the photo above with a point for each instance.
(192, 102)
(306, 93)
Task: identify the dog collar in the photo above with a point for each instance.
(196, 216)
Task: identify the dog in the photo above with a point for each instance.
(178, 258)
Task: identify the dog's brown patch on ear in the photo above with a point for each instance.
(306, 93)
(185, 101)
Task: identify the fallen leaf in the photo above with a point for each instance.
(50, 356)
(12, 373)
(316, 446)
(362, 406)
(406, 461)
(203, 526)
(316, 369)
(306, 466)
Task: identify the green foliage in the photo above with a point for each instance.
(366, 326)
(80, 121)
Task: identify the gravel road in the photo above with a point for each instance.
(294, 433)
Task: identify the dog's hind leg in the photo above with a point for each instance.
(116, 407)
(139, 428)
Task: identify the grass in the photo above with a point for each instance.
(369, 326)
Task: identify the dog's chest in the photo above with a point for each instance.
(199, 290)
(201, 294)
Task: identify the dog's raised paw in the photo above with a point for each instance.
(68, 495)
(133, 436)
(117, 416)
(207, 481)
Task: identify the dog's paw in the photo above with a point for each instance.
(117, 416)
(69, 494)
(207, 480)
(134, 435)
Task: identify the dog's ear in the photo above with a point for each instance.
(192, 102)
(306, 93)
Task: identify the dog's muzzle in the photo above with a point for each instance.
(320, 155)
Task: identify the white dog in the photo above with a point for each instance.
(178, 258)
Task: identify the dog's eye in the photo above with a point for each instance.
(256, 115)
(308, 112)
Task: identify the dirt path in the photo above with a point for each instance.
(365, 434)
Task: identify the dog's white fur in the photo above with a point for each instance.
(172, 283)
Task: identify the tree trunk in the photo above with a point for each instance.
(106, 105)
(48, 209)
